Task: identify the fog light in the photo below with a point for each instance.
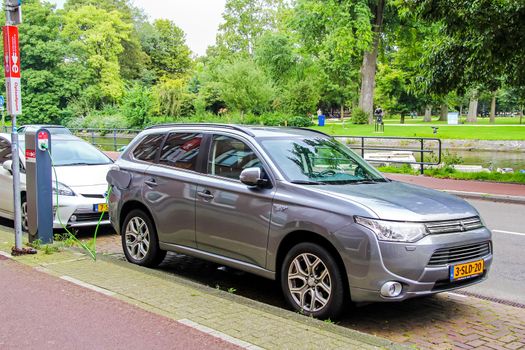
(391, 289)
(73, 218)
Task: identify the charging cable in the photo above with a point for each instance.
(91, 252)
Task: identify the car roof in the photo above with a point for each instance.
(54, 137)
(53, 129)
(251, 130)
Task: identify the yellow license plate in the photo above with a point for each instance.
(462, 271)
(100, 208)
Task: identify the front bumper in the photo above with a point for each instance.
(409, 264)
(78, 211)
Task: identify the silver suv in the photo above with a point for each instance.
(296, 206)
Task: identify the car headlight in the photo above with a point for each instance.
(62, 189)
(394, 231)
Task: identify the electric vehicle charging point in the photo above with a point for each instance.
(39, 197)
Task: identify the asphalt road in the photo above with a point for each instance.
(507, 275)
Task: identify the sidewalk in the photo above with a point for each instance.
(237, 320)
(514, 193)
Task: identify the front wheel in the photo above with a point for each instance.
(139, 240)
(311, 281)
(25, 222)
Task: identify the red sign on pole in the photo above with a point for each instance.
(12, 70)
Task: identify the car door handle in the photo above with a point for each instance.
(151, 182)
(205, 194)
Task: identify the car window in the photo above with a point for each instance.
(5, 150)
(181, 150)
(148, 147)
(319, 160)
(229, 157)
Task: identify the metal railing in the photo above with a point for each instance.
(418, 145)
(107, 139)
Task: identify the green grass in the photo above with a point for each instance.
(448, 173)
(472, 132)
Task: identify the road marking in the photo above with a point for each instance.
(457, 295)
(243, 344)
(510, 232)
(7, 255)
(88, 286)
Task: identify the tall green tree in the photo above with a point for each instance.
(165, 44)
(95, 36)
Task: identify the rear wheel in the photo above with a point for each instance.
(311, 281)
(140, 241)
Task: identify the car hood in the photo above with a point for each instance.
(403, 202)
(76, 176)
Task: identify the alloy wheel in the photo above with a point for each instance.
(309, 282)
(137, 238)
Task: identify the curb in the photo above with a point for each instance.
(488, 197)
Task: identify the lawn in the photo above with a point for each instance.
(473, 132)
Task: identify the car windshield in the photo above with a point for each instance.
(74, 152)
(319, 161)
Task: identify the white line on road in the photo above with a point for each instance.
(219, 335)
(88, 286)
(510, 232)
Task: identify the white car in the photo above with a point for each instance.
(81, 170)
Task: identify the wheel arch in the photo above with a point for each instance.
(132, 205)
(301, 236)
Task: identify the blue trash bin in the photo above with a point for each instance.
(320, 120)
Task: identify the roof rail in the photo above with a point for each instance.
(213, 125)
(308, 129)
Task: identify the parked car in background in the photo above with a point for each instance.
(81, 170)
(296, 206)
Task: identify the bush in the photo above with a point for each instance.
(137, 105)
(359, 116)
(300, 121)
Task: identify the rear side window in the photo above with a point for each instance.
(5, 151)
(146, 151)
(181, 150)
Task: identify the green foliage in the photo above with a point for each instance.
(137, 105)
(173, 98)
(96, 39)
(245, 88)
(359, 116)
(109, 117)
(164, 42)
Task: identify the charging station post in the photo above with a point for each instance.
(39, 182)
(14, 102)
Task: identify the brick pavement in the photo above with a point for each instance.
(179, 299)
(445, 321)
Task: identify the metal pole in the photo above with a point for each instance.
(16, 185)
(362, 147)
(422, 157)
(115, 140)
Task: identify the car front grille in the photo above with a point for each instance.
(87, 217)
(454, 225)
(453, 255)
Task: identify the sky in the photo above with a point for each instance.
(199, 19)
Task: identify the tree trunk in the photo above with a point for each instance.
(444, 112)
(428, 114)
(493, 108)
(343, 113)
(368, 68)
(472, 116)
(521, 115)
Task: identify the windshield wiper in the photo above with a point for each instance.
(81, 163)
(307, 182)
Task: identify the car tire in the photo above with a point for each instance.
(140, 242)
(23, 211)
(312, 282)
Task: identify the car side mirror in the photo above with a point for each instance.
(8, 165)
(253, 177)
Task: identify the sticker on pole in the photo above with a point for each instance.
(12, 70)
(30, 155)
(43, 141)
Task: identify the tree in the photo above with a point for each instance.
(95, 36)
(244, 22)
(335, 33)
(483, 41)
(45, 88)
(165, 44)
(245, 88)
